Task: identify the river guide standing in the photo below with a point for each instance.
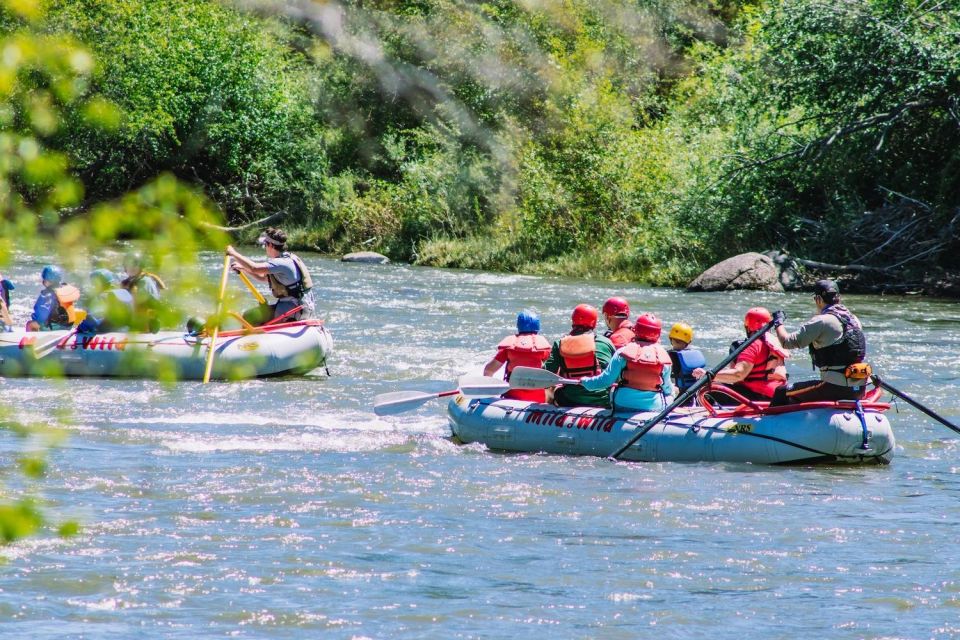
(837, 346)
(288, 277)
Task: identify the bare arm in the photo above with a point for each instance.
(492, 367)
(730, 375)
(258, 270)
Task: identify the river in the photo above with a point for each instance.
(285, 509)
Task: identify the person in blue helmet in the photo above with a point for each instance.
(526, 348)
(54, 308)
(111, 308)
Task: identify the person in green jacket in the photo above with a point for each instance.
(580, 354)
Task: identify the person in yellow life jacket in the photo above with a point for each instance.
(145, 287)
(759, 369)
(54, 308)
(684, 359)
(579, 354)
(524, 349)
(641, 371)
(616, 314)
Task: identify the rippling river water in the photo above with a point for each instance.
(286, 509)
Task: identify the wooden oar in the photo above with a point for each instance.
(533, 378)
(691, 391)
(900, 394)
(256, 292)
(216, 327)
(5, 313)
(388, 404)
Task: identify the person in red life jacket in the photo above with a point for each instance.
(641, 370)
(759, 369)
(525, 349)
(579, 354)
(838, 348)
(616, 313)
(684, 359)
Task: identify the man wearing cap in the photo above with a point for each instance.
(145, 287)
(288, 277)
(836, 341)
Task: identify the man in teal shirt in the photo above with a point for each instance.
(580, 354)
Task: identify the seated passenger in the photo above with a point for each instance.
(111, 308)
(641, 371)
(579, 354)
(145, 288)
(616, 313)
(683, 358)
(6, 322)
(759, 369)
(54, 308)
(524, 349)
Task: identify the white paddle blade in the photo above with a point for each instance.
(482, 386)
(388, 404)
(533, 378)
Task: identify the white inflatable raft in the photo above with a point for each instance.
(290, 348)
(819, 432)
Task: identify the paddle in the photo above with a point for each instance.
(534, 378)
(48, 347)
(388, 404)
(900, 394)
(691, 391)
(216, 327)
(5, 313)
(256, 292)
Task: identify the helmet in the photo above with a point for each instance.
(647, 327)
(681, 331)
(52, 273)
(584, 316)
(756, 318)
(616, 307)
(103, 277)
(528, 321)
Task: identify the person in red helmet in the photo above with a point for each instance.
(526, 348)
(641, 369)
(759, 369)
(578, 354)
(616, 313)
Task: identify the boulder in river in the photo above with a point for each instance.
(745, 271)
(369, 257)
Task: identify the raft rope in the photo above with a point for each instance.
(865, 446)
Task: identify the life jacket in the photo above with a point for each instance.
(684, 362)
(579, 355)
(130, 283)
(772, 356)
(65, 313)
(296, 290)
(645, 363)
(851, 348)
(622, 335)
(524, 350)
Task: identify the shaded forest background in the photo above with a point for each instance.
(639, 140)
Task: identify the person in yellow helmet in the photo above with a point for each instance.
(684, 358)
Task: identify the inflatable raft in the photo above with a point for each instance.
(290, 348)
(819, 432)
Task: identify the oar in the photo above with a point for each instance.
(48, 347)
(388, 404)
(533, 378)
(5, 313)
(216, 326)
(692, 391)
(916, 405)
(256, 292)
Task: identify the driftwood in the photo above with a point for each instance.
(813, 264)
(262, 221)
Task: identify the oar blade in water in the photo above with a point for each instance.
(533, 378)
(482, 386)
(388, 404)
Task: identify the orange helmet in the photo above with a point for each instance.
(584, 316)
(756, 318)
(647, 327)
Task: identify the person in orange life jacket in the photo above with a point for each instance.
(53, 309)
(524, 349)
(683, 359)
(290, 282)
(616, 314)
(836, 341)
(579, 354)
(759, 368)
(641, 370)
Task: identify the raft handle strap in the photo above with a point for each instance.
(865, 446)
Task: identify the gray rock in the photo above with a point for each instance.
(791, 278)
(369, 257)
(753, 271)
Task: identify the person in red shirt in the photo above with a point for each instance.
(527, 348)
(759, 370)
